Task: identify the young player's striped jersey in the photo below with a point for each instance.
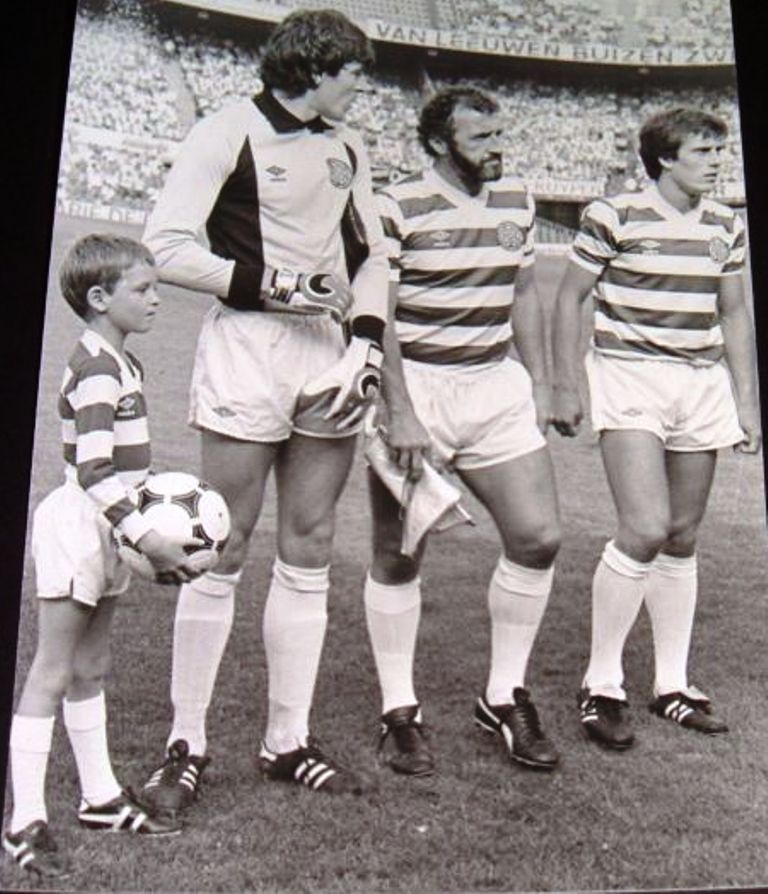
(272, 191)
(454, 259)
(104, 429)
(659, 274)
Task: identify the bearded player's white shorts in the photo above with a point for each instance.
(477, 416)
(73, 549)
(690, 408)
(250, 367)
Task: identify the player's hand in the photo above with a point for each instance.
(171, 563)
(542, 399)
(567, 411)
(749, 420)
(408, 443)
(310, 293)
(355, 378)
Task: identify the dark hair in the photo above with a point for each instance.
(436, 120)
(99, 259)
(662, 135)
(308, 44)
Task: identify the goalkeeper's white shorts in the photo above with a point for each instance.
(477, 416)
(250, 367)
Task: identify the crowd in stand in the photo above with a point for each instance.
(129, 79)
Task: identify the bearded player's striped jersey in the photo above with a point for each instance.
(104, 429)
(454, 259)
(659, 274)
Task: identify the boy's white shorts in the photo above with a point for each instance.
(477, 416)
(73, 549)
(250, 367)
(688, 407)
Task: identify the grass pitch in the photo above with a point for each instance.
(677, 811)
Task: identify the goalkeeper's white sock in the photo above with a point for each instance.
(295, 619)
(86, 724)
(517, 598)
(30, 746)
(670, 597)
(204, 615)
(392, 613)
(617, 594)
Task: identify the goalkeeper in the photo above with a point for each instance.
(295, 250)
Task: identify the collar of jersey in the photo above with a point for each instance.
(281, 119)
(91, 338)
(668, 209)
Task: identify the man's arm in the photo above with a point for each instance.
(575, 287)
(529, 336)
(739, 339)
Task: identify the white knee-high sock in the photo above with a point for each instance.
(617, 594)
(670, 597)
(295, 619)
(517, 598)
(201, 630)
(86, 725)
(392, 613)
(30, 745)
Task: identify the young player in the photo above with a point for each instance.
(672, 379)
(109, 281)
(460, 239)
(283, 190)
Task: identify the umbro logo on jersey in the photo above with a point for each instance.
(510, 235)
(340, 172)
(224, 411)
(718, 250)
(649, 247)
(632, 411)
(441, 239)
(276, 173)
(126, 406)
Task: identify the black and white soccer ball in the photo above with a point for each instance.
(179, 505)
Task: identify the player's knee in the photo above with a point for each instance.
(538, 548)
(681, 540)
(646, 535)
(89, 673)
(50, 679)
(234, 553)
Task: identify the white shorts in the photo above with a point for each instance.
(477, 416)
(250, 367)
(73, 549)
(688, 407)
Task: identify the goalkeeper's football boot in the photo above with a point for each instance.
(34, 850)
(175, 784)
(309, 766)
(691, 710)
(604, 720)
(410, 753)
(126, 813)
(519, 726)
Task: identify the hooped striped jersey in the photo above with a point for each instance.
(659, 274)
(104, 429)
(269, 190)
(454, 259)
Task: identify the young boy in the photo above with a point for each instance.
(109, 281)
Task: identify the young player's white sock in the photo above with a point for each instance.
(30, 745)
(670, 597)
(203, 622)
(517, 598)
(617, 594)
(295, 618)
(392, 613)
(86, 724)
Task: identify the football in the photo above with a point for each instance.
(178, 504)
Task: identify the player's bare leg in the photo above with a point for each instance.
(311, 473)
(671, 592)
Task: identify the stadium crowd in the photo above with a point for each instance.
(130, 79)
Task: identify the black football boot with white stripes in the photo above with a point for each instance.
(604, 720)
(690, 711)
(310, 767)
(409, 752)
(519, 727)
(175, 784)
(125, 813)
(34, 850)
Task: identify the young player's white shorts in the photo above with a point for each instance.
(73, 549)
(251, 366)
(688, 407)
(477, 416)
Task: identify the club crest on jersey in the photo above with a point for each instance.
(510, 235)
(718, 250)
(340, 172)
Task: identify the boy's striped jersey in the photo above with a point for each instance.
(104, 429)
(659, 274)
(453, 260)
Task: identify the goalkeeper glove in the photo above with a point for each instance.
(311, 293)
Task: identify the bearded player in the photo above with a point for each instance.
(462, 293)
